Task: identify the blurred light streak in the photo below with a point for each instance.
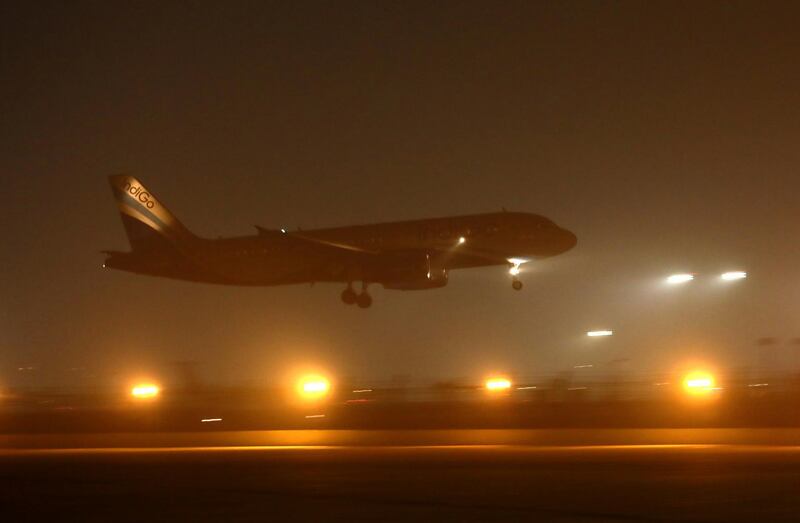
(595, 334)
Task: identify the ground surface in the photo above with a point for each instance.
(585, 482)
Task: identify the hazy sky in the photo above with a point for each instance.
(665, 135)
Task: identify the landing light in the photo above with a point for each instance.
(734, 275)
(676, 279)
(461, 240)
(595, 334)
(515, 265)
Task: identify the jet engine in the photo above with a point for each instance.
(417, 271)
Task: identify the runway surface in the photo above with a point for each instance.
(441, 481)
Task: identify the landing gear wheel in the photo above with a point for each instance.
(364, 300)
(516, 285)
(349, 296)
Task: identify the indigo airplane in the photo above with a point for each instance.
(405, 255)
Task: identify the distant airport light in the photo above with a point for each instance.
(596, 334)
(145, 391)
(497, 384)
(461, 240)
(734, 275)
(699, 382)
(676, 279)
(313, 387)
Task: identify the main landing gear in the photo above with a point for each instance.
(362, 299)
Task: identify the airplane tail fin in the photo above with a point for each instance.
(148, 224)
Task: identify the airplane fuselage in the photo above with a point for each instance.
(386, 253)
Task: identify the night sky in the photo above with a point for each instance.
(665, 135)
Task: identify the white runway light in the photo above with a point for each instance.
(734, 275)
(680, 278)
(595, 334)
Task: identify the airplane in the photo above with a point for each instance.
(405, 255)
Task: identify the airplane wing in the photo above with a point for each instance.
(300, 238)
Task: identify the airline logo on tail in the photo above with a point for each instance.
(135, 201)
(138, 192)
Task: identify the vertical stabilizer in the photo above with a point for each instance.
(148, 224)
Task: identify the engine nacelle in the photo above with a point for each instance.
(414, 272)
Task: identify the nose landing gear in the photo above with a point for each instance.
(514, 272)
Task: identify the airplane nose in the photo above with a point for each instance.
(567, 240)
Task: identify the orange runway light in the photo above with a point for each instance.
(699, 383)
(497, 384)
(313, 387)
(145, 391)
